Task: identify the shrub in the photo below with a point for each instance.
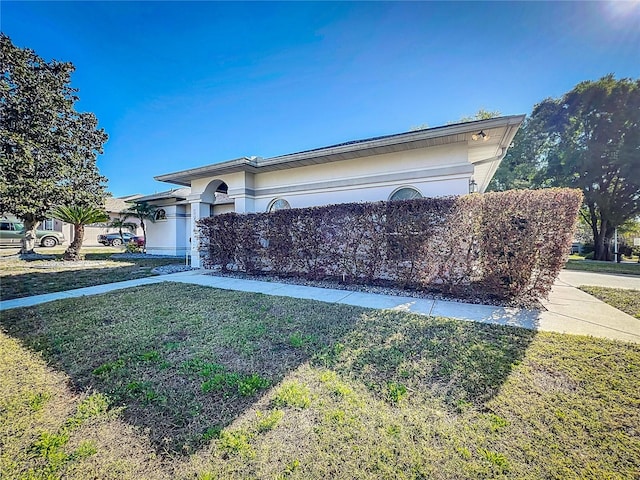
(587, 247)
(131, 247)
(505, 246)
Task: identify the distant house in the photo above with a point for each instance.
(113, 207)
(448, 160)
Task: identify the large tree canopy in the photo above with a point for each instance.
(48, 149)
(588, 139)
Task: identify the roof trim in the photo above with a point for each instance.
(342, 151)
(173, 193)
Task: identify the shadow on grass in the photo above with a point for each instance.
(188, 360)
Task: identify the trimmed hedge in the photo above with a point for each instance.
(496, 246)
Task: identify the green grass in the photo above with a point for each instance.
(20, 278)
(627, 301)
(376, 394)
(603, 267)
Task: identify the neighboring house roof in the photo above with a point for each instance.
(484, 155)
(128, 198)
(117, 204)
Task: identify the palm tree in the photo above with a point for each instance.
(78, 217)
(121, 222)
(143, 211)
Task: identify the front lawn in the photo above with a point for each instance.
(20, 278)
(603, 267)
(627, 301)
(181, 381)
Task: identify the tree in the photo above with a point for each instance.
(78, 217)
(588, 139)
(594, 144)
(121, 222)
(48, 149)
(143, 211)
(481, 114)
(519, 168)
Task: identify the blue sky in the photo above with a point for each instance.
(184, 84)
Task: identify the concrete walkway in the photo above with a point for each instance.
(568, 309)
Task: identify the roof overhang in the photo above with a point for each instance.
(485, 155)
(176, 193)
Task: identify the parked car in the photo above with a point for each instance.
(114, 239)
(138, 241)
(11, 233)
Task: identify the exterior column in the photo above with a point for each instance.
(199, 210)
(244, 204)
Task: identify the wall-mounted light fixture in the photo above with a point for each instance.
(480, 135)
(473, 186)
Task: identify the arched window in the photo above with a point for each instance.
(278, 204)
(405, 193)
(161, 214)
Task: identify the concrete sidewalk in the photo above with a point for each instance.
(576, 278)
(569, 310)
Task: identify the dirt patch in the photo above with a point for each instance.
(554, 381)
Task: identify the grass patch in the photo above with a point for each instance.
(376, 394)
(624, 300)
(268, 421)
(293, 394)
(603, 267)
(22, 278)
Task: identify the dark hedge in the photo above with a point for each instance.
(507, 246)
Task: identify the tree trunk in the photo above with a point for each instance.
(29, 238)
(601, 243)
(144, 233)
(73, 252)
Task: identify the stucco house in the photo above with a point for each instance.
(448, 160)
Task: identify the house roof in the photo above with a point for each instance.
(177, 193)
(117, 204)
(181, 194)
(485, 155)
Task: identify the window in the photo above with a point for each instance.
(405, 193)
(47, 224)
(161, 214)
(279, 204)
(6, 226)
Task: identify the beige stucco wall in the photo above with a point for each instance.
(224, 208)
(435, 171)
(171, 235)
(369, 193)
(415, 161)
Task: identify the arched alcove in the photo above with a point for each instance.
(214, 186)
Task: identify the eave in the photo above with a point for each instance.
(501, 131)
